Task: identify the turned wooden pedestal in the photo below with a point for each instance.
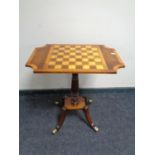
(75, 102)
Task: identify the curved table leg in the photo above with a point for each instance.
(88, 117)
(60, 121)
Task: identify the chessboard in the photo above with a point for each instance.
(75, 58)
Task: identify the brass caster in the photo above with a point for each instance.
(96, 129)
(54, 131)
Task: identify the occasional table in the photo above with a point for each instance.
(74, 59)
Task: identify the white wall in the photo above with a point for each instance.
(109, 22)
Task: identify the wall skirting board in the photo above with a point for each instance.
(67, 91)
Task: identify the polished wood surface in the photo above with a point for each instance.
(65, 58)
(68, 105)
(75, 102)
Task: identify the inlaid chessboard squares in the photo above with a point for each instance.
(75, 57)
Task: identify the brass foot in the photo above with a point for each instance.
(60, 122)
(96, 129)
(54, 131)
(88, 117)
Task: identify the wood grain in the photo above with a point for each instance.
(41, 57)
(69, 106)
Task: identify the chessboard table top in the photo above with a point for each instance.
(69, 58)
